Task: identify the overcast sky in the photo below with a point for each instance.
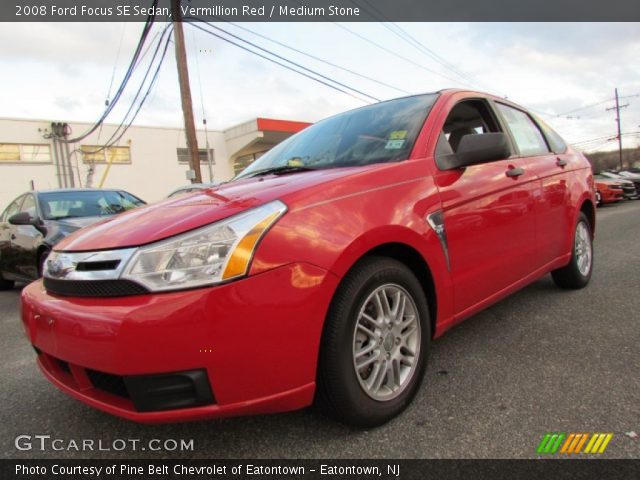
(63, 71)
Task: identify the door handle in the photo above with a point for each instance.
(515, 172)
(561, 162)
(13, 237)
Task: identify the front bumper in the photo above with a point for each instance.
(257, 339)
(611, 196)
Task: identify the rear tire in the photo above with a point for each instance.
(374, 344)
(578, 272)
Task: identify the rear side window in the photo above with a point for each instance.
(527, 135)
(557, 144)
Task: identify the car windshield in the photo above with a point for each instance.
(383, 132)
(58, 205)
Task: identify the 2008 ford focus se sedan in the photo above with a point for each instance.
(322, 272)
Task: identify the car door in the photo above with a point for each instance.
(7, 263)
(553, 205)
(488, 212)
(25, 240)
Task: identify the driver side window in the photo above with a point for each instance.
(469, 117)
(29, 206)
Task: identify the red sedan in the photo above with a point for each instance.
(322, 272)
(607, 190)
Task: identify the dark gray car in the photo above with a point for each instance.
(35, 221)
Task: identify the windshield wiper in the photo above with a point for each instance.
(282, 169)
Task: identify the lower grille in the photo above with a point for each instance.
(113, 384)
(146, 393)
(64, 366)
(93, 288)
(166, 391)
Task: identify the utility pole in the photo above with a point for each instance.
(617, 109)
(185, 92)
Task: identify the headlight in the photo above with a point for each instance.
(205, 256)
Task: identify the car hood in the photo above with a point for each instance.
(77, 223)
(173, 216)
(612, 181)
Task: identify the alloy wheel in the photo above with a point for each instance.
(386, 342)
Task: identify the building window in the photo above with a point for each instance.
(27, 153)
(99, 154)
(183, 156)
(244, 161)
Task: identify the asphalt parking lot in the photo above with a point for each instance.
(543, 360)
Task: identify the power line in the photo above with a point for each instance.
(125, 80)
(288, 67)
(395, 54)
(115, 64)
(408, 38)
(592, 140)
(291, 62)
(602, 102)
(595, 146)
(326, 62)
(122, 128)
(113, 74)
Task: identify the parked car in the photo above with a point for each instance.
(629, 186)
(192, 187)
(629, 175)
(35, 221)
(607, 190)
(322, 272)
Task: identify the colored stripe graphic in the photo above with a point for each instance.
(572, 443)
(550, 442)
(598, 442)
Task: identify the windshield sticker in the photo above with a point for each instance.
(394, 144)
(398, 135)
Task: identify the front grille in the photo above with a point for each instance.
(97, 266)
(93, 288)
(113, 384)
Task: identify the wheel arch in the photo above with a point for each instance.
(43, 247)
(420, 268)
(588, 208)
(424, 259)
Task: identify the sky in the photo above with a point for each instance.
(65, 71)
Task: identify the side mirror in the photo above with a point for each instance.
(23, 218)
(477, 148)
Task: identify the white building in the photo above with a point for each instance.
(148, 162)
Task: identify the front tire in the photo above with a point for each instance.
(374, 345)
(578, 272)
